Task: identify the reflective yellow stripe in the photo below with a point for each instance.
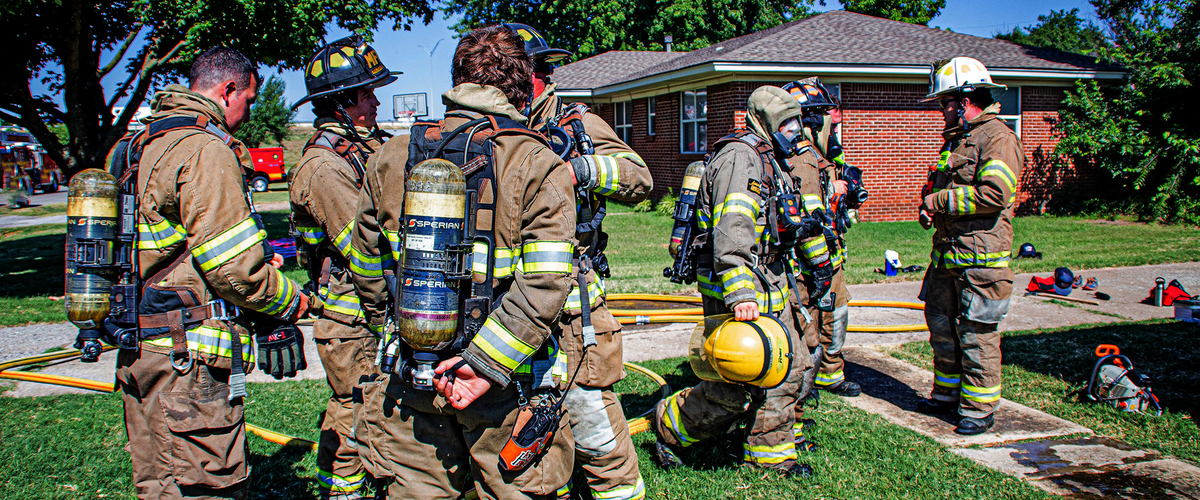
(675, 422)
(635, 491)
(507, 260)
(1000, 169)
(340, 484)
(736, 279)
(393, 238)
(342, 240)
(159, 235)
(311, 234)
(347, 304)
(962, 201)
(769, 454)
(812, 202)
(831, 379)
(981, 394)
(209, 340)
(631, 156)
(945, 380)
(958, 257)
(546, 257)
(229, 244)
(595, 291)
(703, 220)
(736, 203)
(285, 293)
(711, 288)
(564, 491)
(503, 347)
(608, 175)
(813, 250)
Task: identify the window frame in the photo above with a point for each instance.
(651, 115)
(698, 121)
(1016, 119)
(623, 112)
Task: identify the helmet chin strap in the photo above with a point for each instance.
(343, 117)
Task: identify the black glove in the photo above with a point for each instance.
(822, 276)
(281, 352)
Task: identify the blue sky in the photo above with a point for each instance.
(402, 51)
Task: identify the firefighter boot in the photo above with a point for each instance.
(971, 426)
(935, 407)
(845, 389)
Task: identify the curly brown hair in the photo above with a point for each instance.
(495, 56)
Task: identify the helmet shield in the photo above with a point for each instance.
(344, 64)
(698, 358)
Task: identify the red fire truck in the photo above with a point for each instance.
(268, 168)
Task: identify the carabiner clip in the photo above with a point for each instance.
(184, 368)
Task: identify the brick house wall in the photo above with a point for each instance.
(886, 131)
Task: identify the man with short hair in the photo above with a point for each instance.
(324, 199)
(969, 202)
(202, 260)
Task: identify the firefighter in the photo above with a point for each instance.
(969, 202)
(743, 268)
(202, 257)
(823, 191)
(341, 79)
(603, 167)
(444, 443)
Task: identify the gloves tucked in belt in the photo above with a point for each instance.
(822, 275)
(281, 352)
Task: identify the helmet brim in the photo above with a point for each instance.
(982, 85)
(387, 78)
(552, 56)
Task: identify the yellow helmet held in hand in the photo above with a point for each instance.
(757, 353)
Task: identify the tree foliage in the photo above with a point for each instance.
(153, 40)
(269, 118)
(590, 27)
(912, 12)
(1145, 131)
(1063, 30)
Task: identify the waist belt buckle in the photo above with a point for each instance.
(222, 311)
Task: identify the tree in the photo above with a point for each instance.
(909, 11)
(269, 118)
(590, 27)
(155, 41)
(1062, 30)
(1145, 131)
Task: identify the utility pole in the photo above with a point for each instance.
(430, 52)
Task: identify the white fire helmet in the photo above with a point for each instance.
(960, 74)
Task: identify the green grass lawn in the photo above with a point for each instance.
(1043, 368)
(70, 446)
(38, 211)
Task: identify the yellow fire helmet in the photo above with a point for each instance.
(757, 353)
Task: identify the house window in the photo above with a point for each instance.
(649, 116)
(1010, 107)
(623, 120)
(693, 122)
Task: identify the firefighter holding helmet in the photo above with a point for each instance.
(742, 267)
(969, 202)
(341, 79)
(473, 369)
(603, 167)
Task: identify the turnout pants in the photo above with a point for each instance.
(963, 308)
(603, 447)
(186, 438)
(426, 449)
(833, 333)
(712, 408)
(347, 354)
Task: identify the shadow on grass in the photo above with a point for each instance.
(280, 474)
(32, 266)
(1168, 352)
(883, 386)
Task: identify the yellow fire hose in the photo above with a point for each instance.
(638, 424)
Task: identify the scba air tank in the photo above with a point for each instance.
(434, 210)
(686, 207)
(92, 226)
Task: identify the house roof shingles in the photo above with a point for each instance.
(836, 37)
